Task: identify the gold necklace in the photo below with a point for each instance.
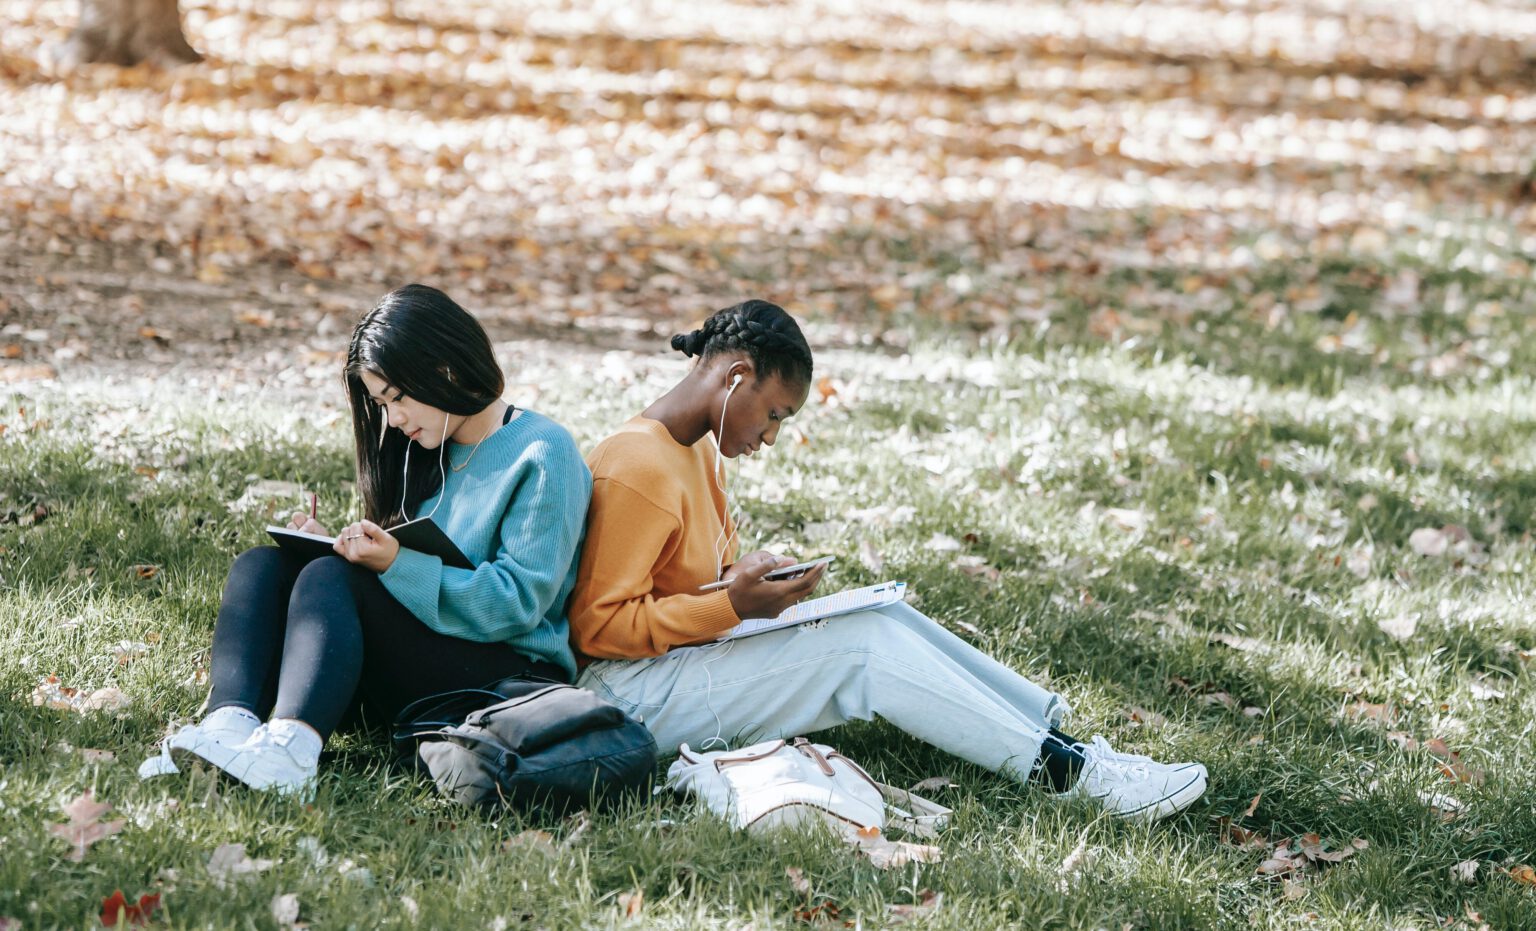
(465, 464)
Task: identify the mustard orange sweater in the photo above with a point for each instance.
(654, 529)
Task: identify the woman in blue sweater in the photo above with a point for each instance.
(300, 643)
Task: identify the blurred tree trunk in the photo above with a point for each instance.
(126, 32)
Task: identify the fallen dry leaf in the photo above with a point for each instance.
(633, 903)
(1235, 835)
(1142, 716)
(116, 910)
(1239, 642)
(1125, 520)
(85, 826)
(229, 863)
(1080, 859)
(797, 880)
(1428, 541)
(927, 903)
(285, 911)
(1369, 711)
(1253, 806)
(1523, 874)
(1465, 871)
(1446, 808)
(886, 854)
(932, 784)
(1482, 691)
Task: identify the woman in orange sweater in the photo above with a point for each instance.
(659, 527)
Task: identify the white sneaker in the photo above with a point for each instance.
(282, 755)
(228, 725)
(1102, 747)
(1135, 789)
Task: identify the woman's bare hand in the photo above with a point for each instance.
(752, 596)
(303, 523)
(368, 545)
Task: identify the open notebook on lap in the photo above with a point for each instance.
(857, 599)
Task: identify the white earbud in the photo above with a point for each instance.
(736, 381)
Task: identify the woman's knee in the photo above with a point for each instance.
(327, 575)
(260, 565)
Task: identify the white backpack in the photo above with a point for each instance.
(780, 783)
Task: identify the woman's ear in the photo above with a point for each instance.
(737, 372)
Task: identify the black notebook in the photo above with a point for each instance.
(421, 535)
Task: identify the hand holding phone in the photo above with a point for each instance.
(775, 575)
(790, 572)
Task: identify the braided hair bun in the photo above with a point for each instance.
(690, 344)
(764, 331)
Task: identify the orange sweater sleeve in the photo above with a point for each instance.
(614, 610)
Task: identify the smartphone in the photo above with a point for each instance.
(788, 572)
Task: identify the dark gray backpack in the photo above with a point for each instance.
(527, 745)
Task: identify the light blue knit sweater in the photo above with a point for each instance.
(518, 511)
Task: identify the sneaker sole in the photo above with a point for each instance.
(222, 758)
(1172, 804)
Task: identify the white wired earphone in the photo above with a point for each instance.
(443, 489)
(719, 472)
(719, 475)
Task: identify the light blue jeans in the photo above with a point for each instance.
(894, 662)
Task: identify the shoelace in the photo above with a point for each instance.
(1103, 748)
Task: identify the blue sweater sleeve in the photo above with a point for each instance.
(510, 593)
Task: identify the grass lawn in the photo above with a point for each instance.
(1202, 532)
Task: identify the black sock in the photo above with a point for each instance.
(1060, 761)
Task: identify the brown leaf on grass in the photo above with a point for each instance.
(85, 826)
(1281, 861)
(1234, 835)
(1143, 716)
(932, 784)
(1253, 806)
(927, 903)
(820, 913)
(144, 571)
(1523, 874)
(633, 903)
(1313, 848)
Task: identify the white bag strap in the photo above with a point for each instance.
(912, 813)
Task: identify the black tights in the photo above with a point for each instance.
(312, 640)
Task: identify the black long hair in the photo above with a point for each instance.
(764, 331)
(422, 343)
